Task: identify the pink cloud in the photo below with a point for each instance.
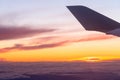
(95, 37)
(54, 43)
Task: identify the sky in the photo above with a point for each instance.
(45, 30)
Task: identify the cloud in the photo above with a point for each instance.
(40, 46)
(7, 33)
(95, 37)
(55, 41)
(2, 59)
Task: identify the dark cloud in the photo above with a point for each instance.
(23, 47)
(7, 33)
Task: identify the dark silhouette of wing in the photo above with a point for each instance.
(92, 20)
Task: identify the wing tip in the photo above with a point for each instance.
(76, 6)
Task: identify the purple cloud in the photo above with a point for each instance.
(7, 33)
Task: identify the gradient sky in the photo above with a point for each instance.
(45, 30)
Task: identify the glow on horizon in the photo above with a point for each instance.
(58, 25)
(70, 52)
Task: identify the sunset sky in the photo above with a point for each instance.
(45, 30)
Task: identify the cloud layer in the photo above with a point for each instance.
(7, 33)
(43, 43)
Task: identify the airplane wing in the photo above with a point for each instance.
(92, 20)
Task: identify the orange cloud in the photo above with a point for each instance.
(2, 59)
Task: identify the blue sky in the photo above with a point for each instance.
(51, 13)
(56, 7)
